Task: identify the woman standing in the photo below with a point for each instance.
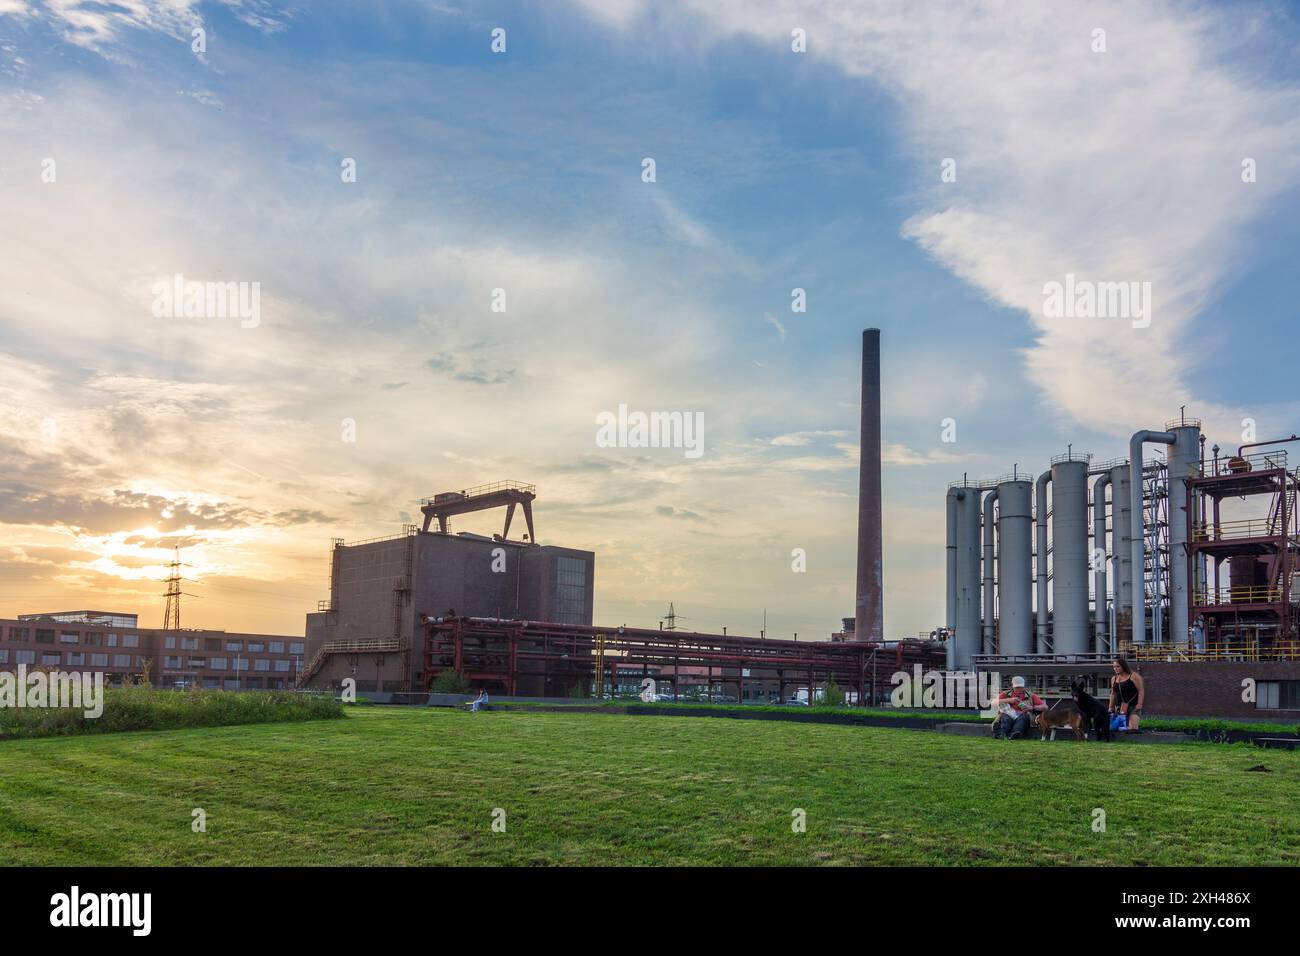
(1126, 692)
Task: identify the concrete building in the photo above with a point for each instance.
(380, 590)
(184, 658)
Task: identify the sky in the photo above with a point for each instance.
(927, 169)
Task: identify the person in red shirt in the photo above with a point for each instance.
(1016, 708)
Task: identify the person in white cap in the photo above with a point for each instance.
(1016, 709)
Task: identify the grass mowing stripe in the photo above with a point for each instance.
(419, 787)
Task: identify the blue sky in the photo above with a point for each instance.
(522, 171)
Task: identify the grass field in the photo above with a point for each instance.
(388, 786)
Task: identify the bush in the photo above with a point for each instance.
(450, 682)
(143, 708)
(832, 696)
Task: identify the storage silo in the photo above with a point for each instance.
(967, 637)
(1015, 548)
(1120, 533)
(1070, 630)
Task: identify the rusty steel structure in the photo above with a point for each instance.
(1258, 610)
(500, 494)
(528, 658)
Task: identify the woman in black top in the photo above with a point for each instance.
(1126, 692)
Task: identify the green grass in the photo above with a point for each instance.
(144, 708)
(389, 786)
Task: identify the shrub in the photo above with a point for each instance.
(144, 708)
(832, 696)
(450, 682)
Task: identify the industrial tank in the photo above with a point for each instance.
(1015, 547)
(1121, 523)
(967, 637)
(1070, 630)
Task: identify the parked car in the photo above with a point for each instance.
(796, 702)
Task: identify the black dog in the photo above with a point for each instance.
(1095, 713)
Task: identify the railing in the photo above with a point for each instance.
(1085, 457)
(1182, 423)
(1241, 594)
(1232, 465)
(1238, 650)
(407, 531)
(368, 646)
(1242, 528)
(479, 490)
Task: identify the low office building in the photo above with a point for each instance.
(183, 658)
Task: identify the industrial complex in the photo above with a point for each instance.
(1180, 558)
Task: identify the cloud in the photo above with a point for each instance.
(1123, 165)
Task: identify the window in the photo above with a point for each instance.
(121, 660)
(51, 658)
(296, 647)
(110, 640)
(189, 643)
(197, 662)
(24, 657)
(98, 660)
(232, 683)
(170, 642)
(69, 637)
(94, 639)
(234, 645)
(277, 647)
(275, 683)
(240, 663)
(251, 683)
(76, 658)
(20, 634)
(4, 655)
(570, 590)
(173, 663)
(130, 640)
(212, 643)
(1277, 695)
(261, 664)
(256, 647)
(211, 683)
(282, 666)
(44, 636)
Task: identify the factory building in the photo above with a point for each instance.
(1173, 557)
(382, 590)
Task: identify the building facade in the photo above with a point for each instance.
(371, 628)
(183, 658)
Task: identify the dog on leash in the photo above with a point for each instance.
(1060, 717)
(1095, 714)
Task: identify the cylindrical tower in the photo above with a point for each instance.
(990, 602)
(967, 637)
(1120, 531)
(1184, 463)
(869, 616)
(1015, 604)
(1070, 631)
(1097, 561)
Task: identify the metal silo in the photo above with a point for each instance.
(1070, 631)
(967, 637)
(1120, 532)
(1015, 604)
(1184, 463)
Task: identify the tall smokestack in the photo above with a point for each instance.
(869, 621)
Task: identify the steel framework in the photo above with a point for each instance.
(527, 658)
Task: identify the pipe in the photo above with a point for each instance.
(869, 615)
(989, 500)
(1138, 541)
(1015, 604)
(1040, 525)
(1099, 561)
(950, 620)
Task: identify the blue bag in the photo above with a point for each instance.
(1118, 722)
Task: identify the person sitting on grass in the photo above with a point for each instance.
(480, 701)
(1017, 707)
